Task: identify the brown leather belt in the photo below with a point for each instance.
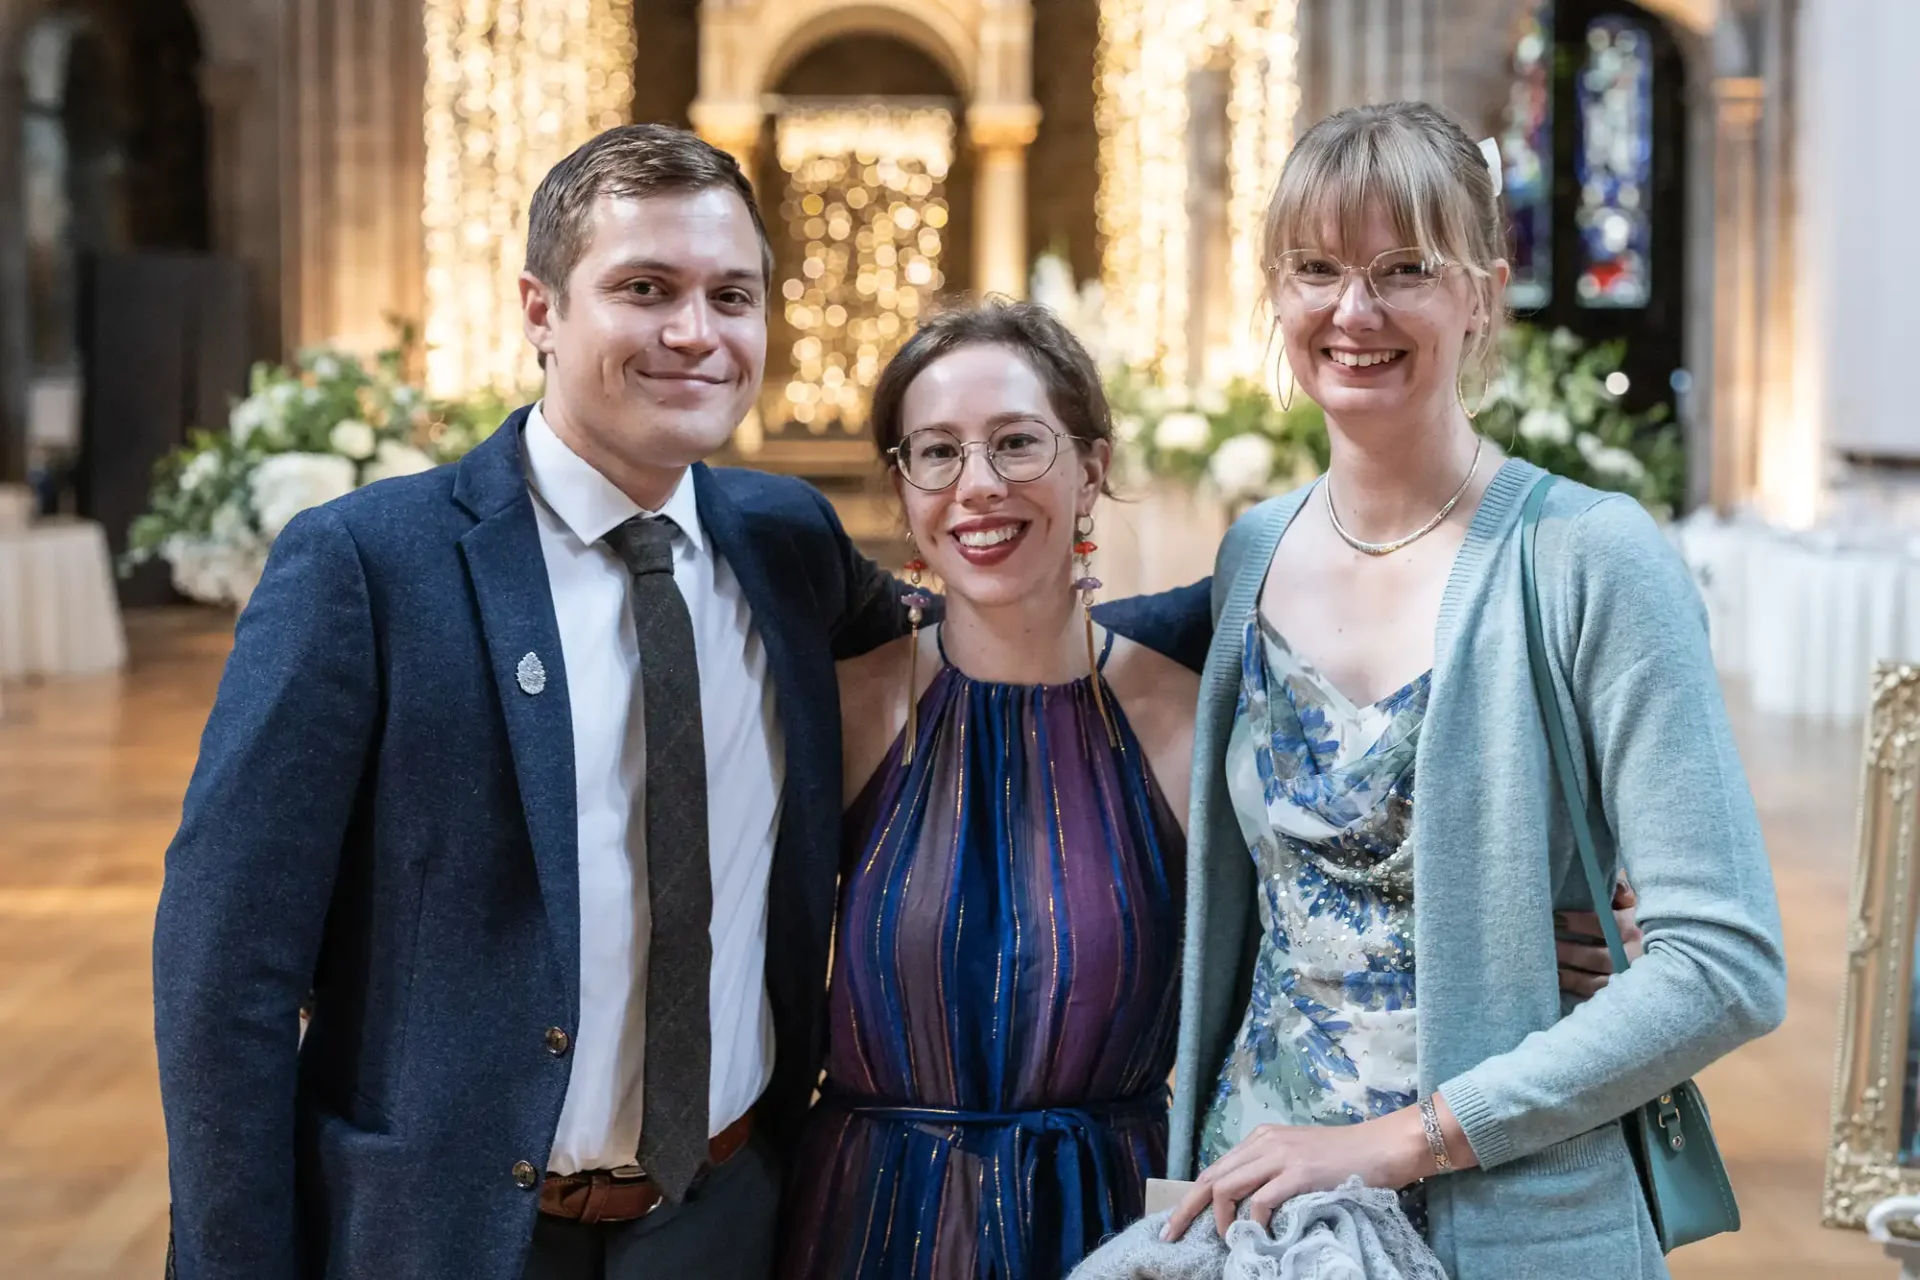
(628, 1193)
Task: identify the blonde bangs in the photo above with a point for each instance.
(1345, 170)
(1411, 163)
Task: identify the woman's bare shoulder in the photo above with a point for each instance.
(872, 669)
(1139, 675)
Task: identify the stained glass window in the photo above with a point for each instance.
(1615, 165)
(1526, 153)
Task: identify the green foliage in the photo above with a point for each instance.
(1550, 405)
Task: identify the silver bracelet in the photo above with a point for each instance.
(1436, 1140)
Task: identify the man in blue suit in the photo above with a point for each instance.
(526, 772)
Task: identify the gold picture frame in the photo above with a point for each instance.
(1874, 1149)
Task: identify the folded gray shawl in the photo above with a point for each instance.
(1353, 1233)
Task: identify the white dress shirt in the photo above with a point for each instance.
(576, 506)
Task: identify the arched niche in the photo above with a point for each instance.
(858, 65)
(933, 30)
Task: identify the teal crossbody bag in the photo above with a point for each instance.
(1688, 1195)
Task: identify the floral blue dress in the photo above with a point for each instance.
(1324, 793)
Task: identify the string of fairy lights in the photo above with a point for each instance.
(866, 202)
(1149, 52)
(1262, 103)
(512, 86)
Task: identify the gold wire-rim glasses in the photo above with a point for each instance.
(1032, 426)
(1396, 292)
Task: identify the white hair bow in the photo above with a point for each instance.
(1491, 150)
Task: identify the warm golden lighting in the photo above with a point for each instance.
(1264, 97)
(865, 200)
(1149, 52)
(512, 87)
(1145, 58)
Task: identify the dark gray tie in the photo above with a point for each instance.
(673, 1134)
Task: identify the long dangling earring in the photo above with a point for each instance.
(1286, 401)
(1086, 584)
(918, 601)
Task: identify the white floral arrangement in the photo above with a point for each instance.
(1557, 402)
(1231, 438)
(1561, 403)
(304, 435)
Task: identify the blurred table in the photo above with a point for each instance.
(59, 615)
(1804, 616)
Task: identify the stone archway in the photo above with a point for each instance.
(233, 72)
(977, 55)
(985, 47)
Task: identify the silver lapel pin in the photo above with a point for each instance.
(531, 674)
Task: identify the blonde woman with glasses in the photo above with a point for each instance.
(1373, 801)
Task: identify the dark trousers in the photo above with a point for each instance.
(723, 1230)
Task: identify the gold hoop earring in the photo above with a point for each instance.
(1286, 401)
(1086, 584)
(1460, 391)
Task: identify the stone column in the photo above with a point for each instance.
(1739, 104)
(242, 145)
(353, 247)
(732, 126)
(1000, 135)
(728, 113)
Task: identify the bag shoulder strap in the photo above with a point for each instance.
(1559, 742)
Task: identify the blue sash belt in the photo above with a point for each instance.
(1021, 1214)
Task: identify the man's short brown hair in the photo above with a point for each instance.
(633, 161)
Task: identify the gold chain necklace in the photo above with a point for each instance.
(1388, 548)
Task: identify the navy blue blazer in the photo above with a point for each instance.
(382, 817)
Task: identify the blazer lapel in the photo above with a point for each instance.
(510, 584)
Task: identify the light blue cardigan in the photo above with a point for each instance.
(1536, 1086)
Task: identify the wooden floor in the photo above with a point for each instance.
(91, 774)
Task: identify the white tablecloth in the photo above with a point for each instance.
(1804, 617)
(59, 615)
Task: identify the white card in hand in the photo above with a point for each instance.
(1165, 1193)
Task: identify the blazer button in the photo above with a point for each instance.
(557, 1042)
(525, 1176)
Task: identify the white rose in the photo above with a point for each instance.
(326, 368)
(1618, 463)
(231, 527)
(1564, 341)
(1546, 424)
(1184, 432)
(1243, 465)
(1210, 400)
(286, 484)
(248, 417)
(309, 396)
(214, 572)
(204, 467)
(353, 438)
(395, 460)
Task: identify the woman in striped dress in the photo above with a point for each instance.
(1004, 989)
